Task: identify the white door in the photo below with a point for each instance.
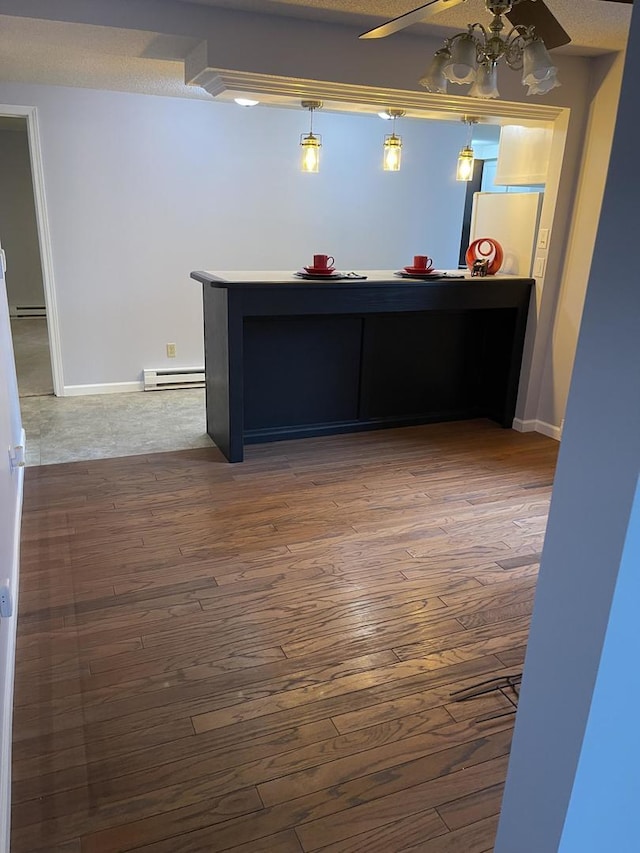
(10, 507)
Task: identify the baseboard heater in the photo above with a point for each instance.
(28, 311)
(162, 380)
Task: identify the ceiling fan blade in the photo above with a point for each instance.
(415, 17)
(535, 13)
(620, 1)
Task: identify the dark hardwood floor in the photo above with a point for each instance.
(260, 657)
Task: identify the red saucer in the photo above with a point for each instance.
(419, 270)
(319, 270)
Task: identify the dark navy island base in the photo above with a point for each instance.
(287, 358)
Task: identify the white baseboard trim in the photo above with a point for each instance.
(6, 708)
(524, 426)
(102, 388)
(542, 427)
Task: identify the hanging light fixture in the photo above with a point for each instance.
(473, 56)
(392, 143)
(310, 143)
(464, 171)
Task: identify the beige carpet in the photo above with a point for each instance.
(33, 361)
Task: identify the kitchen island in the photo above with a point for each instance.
(288, 358)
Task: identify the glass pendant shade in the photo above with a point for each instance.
(461, 67)
(392, 153)
(434, 79)
(310, 146)
(537, 64)
(486, 83)
(465, 164)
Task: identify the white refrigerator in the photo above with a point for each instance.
(512, 219)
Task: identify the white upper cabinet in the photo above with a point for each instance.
(523, 155)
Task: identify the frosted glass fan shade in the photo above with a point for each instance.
(486, 83)
(544, 86)
(434, 79)
(461, 68)
(538, 65)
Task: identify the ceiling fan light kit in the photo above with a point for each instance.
(473, 57)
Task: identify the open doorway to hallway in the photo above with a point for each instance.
(21, 252)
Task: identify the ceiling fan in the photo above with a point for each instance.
(473, 56)
(527, 13)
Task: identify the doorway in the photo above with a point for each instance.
(23, 262)
(25, 250)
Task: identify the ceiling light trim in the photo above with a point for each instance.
(226, 84)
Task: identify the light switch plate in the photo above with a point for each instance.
(543, 238)
(538, 267)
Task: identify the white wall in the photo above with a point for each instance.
(606, 78)
(10, 507)
(611, 746)
(141, 190)
(18, 230)
(573, 780)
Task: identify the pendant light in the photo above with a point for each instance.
(464, 171)
(392, 154)
(310, 143)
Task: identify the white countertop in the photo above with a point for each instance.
(257, 276)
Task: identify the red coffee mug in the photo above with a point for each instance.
(422, 262)
(323, 262)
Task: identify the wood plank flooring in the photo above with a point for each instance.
(259, 658)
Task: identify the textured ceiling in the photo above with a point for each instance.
(33, 50)
(594, 25)
(63, 54)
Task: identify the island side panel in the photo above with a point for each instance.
(223, 371)
(501, 360)
(517, 352)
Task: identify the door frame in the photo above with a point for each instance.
(44, 237)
